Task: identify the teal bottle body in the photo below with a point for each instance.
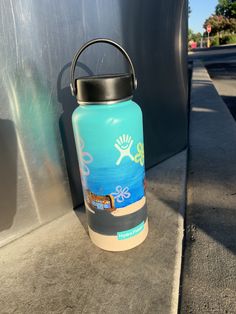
(110, 148)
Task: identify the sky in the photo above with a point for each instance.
(201, 10)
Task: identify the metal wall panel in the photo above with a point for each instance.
(38, 40)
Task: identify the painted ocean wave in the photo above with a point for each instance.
(126, 180)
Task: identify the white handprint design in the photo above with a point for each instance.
(123, 145)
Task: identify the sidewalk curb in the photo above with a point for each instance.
(208, 276)
(179, 243)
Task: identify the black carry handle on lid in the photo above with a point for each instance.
(89, 43)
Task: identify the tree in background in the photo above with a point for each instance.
(218, 24)
(194, 36)
(189, 10)
(223, 23)
(226, 8)
(190, 34)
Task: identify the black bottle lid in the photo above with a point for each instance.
(104, 88)
(107, 88)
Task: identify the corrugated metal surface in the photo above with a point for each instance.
(38, 40)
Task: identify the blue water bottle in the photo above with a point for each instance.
(108, 132)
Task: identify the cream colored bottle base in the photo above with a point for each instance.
(111, 243)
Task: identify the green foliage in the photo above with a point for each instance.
(228, 39)
(220, 23)
(215, 41)
(224, 21)
(232, 22)
(194, 36)
(197, 37)
(232, 39)
(190, 34)
(226, 8)
(189, 10)
(222, 39)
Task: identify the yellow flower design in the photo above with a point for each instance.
(139, 157)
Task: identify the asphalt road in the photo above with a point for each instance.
(221, 66)
(215, 55)
(208, 282)
(223, 75)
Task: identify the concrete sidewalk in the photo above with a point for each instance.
(56, 269)
(209, 272)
